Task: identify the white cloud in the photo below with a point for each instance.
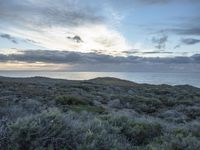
(49, 23)
(95, 37)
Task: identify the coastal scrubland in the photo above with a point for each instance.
(99, 114)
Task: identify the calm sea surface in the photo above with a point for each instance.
(139, 77)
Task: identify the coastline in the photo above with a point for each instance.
(157, 78)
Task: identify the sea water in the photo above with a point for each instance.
(138, 77)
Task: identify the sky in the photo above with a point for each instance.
(100, 35)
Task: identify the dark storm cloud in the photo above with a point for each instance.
(48, 13)
(9, 37)
(64, 57)
(160, 41)
(190, 41)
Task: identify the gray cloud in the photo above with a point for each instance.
(165, 1)
(157, 52)
(76, 39)
(48, 13)
(186, 30)
(137, 51)
(64, 57)
(9, 37)
(129, 2)
(196, 57)
(135, 3)
(160, 41)
(187, 41)
(190, 41)
(177, 46)
(154, 1)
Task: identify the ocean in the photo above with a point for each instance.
(138, 77)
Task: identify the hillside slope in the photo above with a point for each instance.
(102, 113)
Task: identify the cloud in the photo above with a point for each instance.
(48, 13)
(132, 3)
(177, 46)
(187, 41)
(160, 41)
(47, 24)
(76, 39)
(186, 31)
(9, 37)
(76, 61)
(196, 57)
(157, 52)
(65, 57)
(190, 41)
(137, 51)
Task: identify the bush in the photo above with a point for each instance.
(172, 142)
(70, 100)
(137, 132)
(54, 130)
(80, 108)
(43, 131)
(141, 133)
(193, 112)
(3, 133)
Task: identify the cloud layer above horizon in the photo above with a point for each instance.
(77, 61)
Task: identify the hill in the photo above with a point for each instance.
(102, 113)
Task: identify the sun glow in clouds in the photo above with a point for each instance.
(33, 66)
(93, 37)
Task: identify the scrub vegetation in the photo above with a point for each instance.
(99, 114)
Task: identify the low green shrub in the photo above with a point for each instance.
(43, 131)
(137, 132)
(88, 108)
(175, 142)
(54, 130)
(69, 100)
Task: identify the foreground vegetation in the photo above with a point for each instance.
(99, 114)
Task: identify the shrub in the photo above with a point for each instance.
(70, 100)
(88, 108)
(3, 133)
(172, 142)
(192, 112)
(141, 133)
(137, 132)
(54, 130)
(173, 116)
(43, 131)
